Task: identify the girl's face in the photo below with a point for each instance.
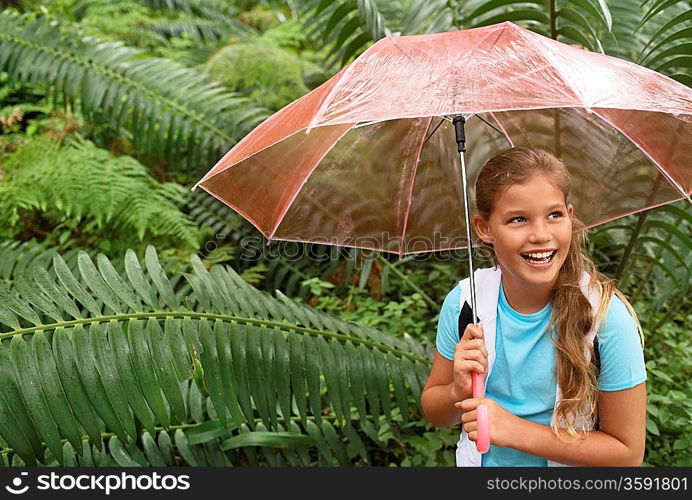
(530, 229)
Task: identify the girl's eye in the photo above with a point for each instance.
(517, 219)
(555, 215)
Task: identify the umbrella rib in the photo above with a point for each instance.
(504, 132)
(413, 180)
(442, 120)
(631, 212)
(546, 55)
(236, 209)
(325, 102)
(284, 211)
(659, 167)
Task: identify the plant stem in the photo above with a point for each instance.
(619, 273)
(228, 319)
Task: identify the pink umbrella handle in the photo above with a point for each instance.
(483, 438)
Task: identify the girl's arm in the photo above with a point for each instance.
(619, 442)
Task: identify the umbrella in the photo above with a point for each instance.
(368, 159)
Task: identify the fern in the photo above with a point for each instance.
(205, 441)
(653, 246)
(346, 26)
(92, 192)
(132, 342)
(349, 26)
(668, 49)
(170, 111)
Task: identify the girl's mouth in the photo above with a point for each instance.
(539, 258)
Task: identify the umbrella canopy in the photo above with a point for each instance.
(369, 158)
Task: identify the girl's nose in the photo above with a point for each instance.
(539, 233)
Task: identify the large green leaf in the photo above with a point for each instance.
(128, 361)
(118, 87)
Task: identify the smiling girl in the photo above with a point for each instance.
(560, 346)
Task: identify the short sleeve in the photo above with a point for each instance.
(448, 324)
(620, 349)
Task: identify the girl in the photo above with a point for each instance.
(558, 343)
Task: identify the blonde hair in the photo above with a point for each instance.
(572, 318)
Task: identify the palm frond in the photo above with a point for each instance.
(572, 21)
(655, 247)
(103, 351)
(668, 49)
(170, 111)
(347, 26)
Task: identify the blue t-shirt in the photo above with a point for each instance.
(523, 379)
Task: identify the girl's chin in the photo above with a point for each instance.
(540, 273)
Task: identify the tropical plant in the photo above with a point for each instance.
(121, 363)
(349, 26)
(96, 354)
(166, 110)
(91, 196)
(269, 75)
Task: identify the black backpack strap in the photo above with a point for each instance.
(465, 318)
(597, 362)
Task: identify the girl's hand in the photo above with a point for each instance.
(503, 424)
(470, 355)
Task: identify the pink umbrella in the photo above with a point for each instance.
(368, 159)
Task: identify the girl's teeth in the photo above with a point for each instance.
(539, 256)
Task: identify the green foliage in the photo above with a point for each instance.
(91, 196)
(168, 111)
(259, 18)
(151, 23)
(653, 246)
(668, 49)
(350, 26)
(669, 405)
(408, 316)
(101, 351)
(269, 74)
(175, 121)
(347, 26)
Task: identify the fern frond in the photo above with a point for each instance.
(89, 189)
(108, 350)
(669, 47)
(171, 111)
(347, 26)
(198, 30)
(205, 441)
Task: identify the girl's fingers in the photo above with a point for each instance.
(469, 416)
(471, 426)
(475, 356)
(472, 332)
(473, 435)
(471, 366)
(474, 344)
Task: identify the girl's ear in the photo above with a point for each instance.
(482, 228)
(570, 210)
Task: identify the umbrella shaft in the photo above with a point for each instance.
(467, 214)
